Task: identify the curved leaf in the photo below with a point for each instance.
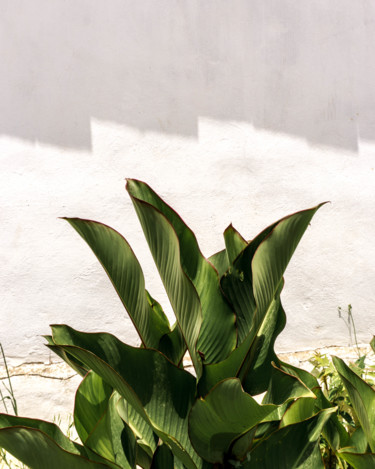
(257, 376)
(182, 268)
(125, 273)
(77, 367)
(273, 255)
(91, 403)
(293, 446)
(112, 438)
(358, 461)
(226, 413)
(42, 445)
(158, 390)
(284, 386)
(98, 423)
(358, 442)
(301, 409)
(146, 438)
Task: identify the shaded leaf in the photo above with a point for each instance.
(163, 458)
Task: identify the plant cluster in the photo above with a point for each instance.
(335, 391)
(138, 406)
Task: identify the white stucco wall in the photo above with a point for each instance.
(240, 111)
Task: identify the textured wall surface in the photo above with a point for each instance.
(240, 112)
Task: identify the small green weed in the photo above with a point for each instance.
(8, 400)
(335, 391)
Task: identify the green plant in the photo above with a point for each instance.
(350, 324)
(9, 393)
(138, 406)
(336, 392)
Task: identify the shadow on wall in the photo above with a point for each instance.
(302, 68)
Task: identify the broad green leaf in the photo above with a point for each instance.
(291, 447)
(314, 461)
(219, 418)
(112, 438)
(165, 247)
(42, 445)
(158, 390)
(257, 377)
(307, 378)
(143, 459)
(362, 397)
(240, 447)
(146, 438)
(358, 442)
(234, 243)
(98, 423)
(50, 429)
(301, 409)
(273, 255)
(187, 277)
(163, 458)
(359, 461)
(125, 273)
(284, 386)
(91, 403)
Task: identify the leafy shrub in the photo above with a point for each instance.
(139, 406)
(335, 391)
